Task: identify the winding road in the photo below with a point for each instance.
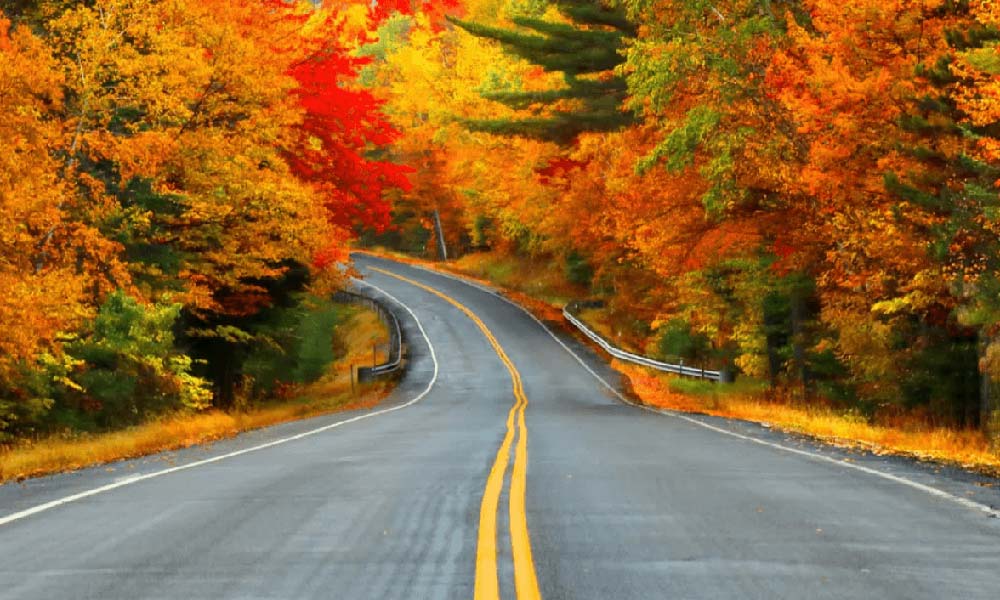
(506, 465)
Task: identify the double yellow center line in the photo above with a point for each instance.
(487, 578)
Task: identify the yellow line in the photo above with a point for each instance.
(487, 579)
(525, 580)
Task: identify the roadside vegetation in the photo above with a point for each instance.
(179, 183)
(803, 194)
(904, 433)
(310, 377)
(898, 431)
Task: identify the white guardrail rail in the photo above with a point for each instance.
(679, 369)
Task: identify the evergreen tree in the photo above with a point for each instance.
(586, 52)
(951, 198)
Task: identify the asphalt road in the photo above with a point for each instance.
(620, 503)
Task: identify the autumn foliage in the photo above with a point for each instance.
(802, 191)
(176, 174)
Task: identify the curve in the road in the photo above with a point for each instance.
(989, 511)
(487, 576)
(34, 510)
(621, 506)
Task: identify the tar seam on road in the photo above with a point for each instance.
(487, 576)
(933, 491)
(124, 482)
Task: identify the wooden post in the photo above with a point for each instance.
(352, 380)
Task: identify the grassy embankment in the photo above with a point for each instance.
(330, 393)
(541, 286)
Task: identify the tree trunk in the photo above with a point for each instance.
(439, 233)
(797, 316)
(773, 363)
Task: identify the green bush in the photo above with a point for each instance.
(27, 398)
(315, 348)
(677, 341)
(295, 344)
(578, 270)
(127, 368)
(482, 231)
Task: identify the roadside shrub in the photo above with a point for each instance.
(26, 398)
(677, 341)
(294, 344)
(578, 270)
(316, 341)
(482, 232)
(127, 367)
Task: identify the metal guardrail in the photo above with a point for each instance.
(679, 369)
(395, 347)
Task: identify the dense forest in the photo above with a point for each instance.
(178, 185)
(806, 192)
(800, 191)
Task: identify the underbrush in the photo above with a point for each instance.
(539, 278)
(909, 435)
(331, 392)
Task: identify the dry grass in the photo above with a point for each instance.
(912, 437)
(332, 393)
(541, 279)
(603, 321)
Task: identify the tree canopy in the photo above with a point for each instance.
(585, 45)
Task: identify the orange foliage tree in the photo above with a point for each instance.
(753, 202)
(42, 289)
(194, 156)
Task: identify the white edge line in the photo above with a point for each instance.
(965, 502)
(129, 481)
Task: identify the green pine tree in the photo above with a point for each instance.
(958, 192)
(586, 52)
